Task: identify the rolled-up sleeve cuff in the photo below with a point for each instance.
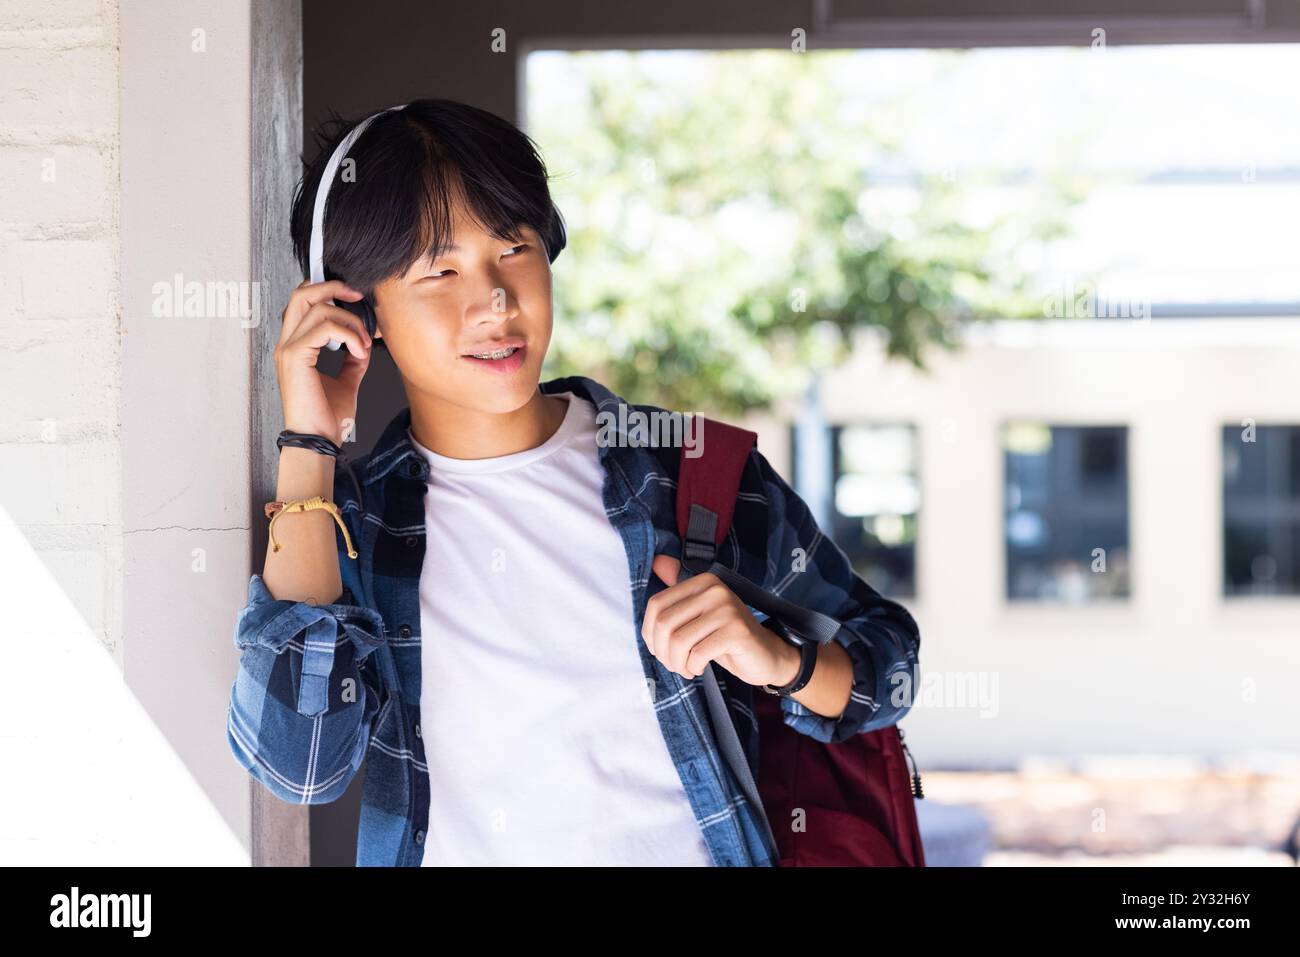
(862, 705)
(275, 624)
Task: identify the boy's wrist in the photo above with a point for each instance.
(303, 473)
(793, 662)
(789, 654)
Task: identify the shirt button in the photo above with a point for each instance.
(419, 837)
(404, 631)
(410, 541)
(417, 729)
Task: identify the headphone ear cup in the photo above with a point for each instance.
(365, 311)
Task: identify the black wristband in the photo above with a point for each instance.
(807, 658)
(307, 440)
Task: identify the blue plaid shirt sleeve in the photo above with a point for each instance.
(810, 570)
(302, 703)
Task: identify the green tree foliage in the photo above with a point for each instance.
(723, 244)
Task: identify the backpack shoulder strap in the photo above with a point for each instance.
(707, 483)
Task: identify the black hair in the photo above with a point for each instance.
(393, 204)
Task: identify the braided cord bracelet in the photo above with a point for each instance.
(275, 509)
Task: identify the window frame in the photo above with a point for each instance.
(1124, 600)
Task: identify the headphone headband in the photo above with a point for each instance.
(316, 243)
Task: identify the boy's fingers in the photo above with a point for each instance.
(666, 567)
(309, 294)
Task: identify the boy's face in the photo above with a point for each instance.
(464, 301)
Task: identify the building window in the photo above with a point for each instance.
(875, 501)
(1066, 511)
(1261, 510)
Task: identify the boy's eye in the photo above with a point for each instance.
(512, 251)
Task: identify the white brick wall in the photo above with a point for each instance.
(124, 159)
(60, 337)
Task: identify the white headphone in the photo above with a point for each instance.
(316, 244)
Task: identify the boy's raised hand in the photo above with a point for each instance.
(314, 402)
(699, 620)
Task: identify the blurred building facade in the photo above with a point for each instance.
(1095, 522)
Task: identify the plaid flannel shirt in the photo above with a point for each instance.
(320, 687)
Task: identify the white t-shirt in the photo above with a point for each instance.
(541, 739)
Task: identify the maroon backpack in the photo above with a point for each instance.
(856, 795)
